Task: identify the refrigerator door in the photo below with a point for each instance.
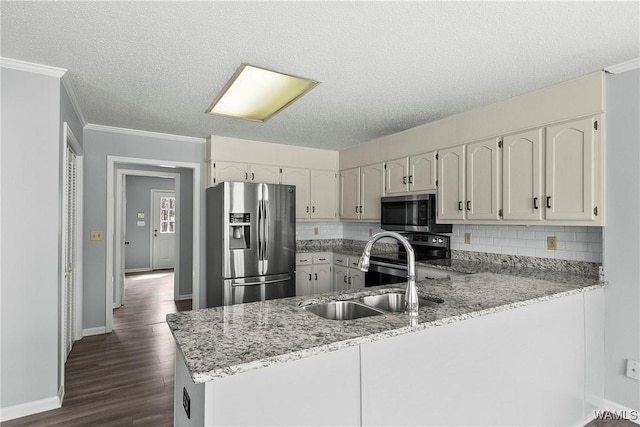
(251, 289)
(278, 244)
(240, 229)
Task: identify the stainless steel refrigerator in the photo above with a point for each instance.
(251, 242)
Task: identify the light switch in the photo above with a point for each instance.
(96, 235)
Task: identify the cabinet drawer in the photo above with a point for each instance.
(353, 261)
(322, 258)
(341, 259)
(304, 259)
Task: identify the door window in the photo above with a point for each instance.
(167, 214)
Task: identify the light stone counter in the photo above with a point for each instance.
(223, 341)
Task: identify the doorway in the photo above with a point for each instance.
(164, 211)
(117, 169)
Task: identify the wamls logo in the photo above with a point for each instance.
(617, 415)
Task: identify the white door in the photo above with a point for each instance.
(522, 179)
(299, 178)
(323, 195)
(123, 242)
(451, 183)
(570, 171)
(371, 185)
(483, 180)
(70, 211)
(349, 194)
(396, 176)
(422, 172)
(164, 229)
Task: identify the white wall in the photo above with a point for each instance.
(622, 237)
(98, 144)
(30, 218)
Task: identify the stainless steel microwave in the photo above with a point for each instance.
(416, 213)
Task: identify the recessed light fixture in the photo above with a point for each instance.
(255, 93)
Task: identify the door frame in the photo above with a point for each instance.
(69, 140)
(119, 267)
(114, 240)
(176, 258)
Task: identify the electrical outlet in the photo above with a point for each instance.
(552, 243)
(371, 232)
(316, 231)
(467, 238)
(633, 369)
(186, 402)
(96, 235)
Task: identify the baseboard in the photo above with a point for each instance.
(61, 394)
(94, 331)
(29, 408)
(632, 415)
(181, 297)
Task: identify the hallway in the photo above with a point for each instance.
(124, 378)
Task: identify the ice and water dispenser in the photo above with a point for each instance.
(239, 230)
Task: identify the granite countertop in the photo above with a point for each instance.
(223, 341)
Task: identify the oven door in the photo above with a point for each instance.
(384, 274)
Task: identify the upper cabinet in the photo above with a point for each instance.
(523, 173)
(360, 192)
(315, 192)
(242, 172)
(411, 174)
(557, 178)
(570, 171)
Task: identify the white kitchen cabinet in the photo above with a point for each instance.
(571, 163)
(315, 192)
(313, 273)
(451, 184)
(242, 172)
(323, 195)
(411, 174)
(522, 167)
(347, 275)
(360, 192)
(483, 180)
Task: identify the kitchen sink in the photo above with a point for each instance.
(394, 302)
(342, 310)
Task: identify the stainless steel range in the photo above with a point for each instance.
(384, 270)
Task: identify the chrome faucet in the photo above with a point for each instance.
(411, 296)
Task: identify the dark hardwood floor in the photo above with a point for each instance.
(124, 378)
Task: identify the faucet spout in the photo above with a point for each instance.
(411, 296)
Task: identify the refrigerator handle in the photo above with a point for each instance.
(266, 220)
(260, 229)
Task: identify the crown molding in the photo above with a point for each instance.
(145, 133)
(66, 83)
(30, 67)
(624, 66)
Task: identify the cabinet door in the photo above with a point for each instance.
(371, 184)
(321, 278)
(265, 174)
(422, 172)
(350, 194)
(211, 174)
(570, 171)
(304, 278)
(522, 180)
(396, 179)
(483, 180)
(299, 178)
(230, 172)
(340, 278)
(323, 195)
(356, 278)
(451, 195)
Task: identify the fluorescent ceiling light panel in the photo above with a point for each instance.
(257, 94)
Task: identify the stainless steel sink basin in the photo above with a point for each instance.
(342, 310)
(394, 302)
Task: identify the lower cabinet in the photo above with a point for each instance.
(313, 273)
(346, 274)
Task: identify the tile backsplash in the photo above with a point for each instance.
(573, 243)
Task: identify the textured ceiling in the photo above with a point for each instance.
(384, 66)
